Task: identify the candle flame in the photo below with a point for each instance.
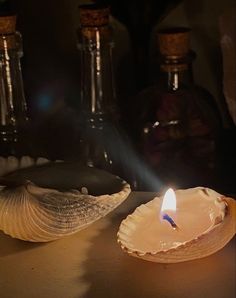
(169, 201)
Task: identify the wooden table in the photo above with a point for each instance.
(91, 264)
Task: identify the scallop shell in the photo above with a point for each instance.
(12, 163)
(202, 246)
(50, 201)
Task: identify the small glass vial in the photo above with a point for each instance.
(13, 108)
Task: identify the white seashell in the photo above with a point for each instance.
(42, 161)
(51, 206)
(209, 242)
(26, 161)
(12, 164)
(3, 164)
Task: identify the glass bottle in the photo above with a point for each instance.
(102, 141)
(178, 121)
(13, 108)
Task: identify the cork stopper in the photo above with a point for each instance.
(93, 15)
(7, 24)
(174, 42)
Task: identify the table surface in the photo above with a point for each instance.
(91, 264)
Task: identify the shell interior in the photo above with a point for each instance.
(64, 176)
(143, 234)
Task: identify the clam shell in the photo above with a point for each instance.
(12, 163)
(202, 246)
(53, 200)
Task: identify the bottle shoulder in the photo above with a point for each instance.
(188, 94)
(186, 105)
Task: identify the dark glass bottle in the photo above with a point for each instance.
(13, 108)
(178, 121)
(102, 142)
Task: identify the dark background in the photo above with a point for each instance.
(51, 65)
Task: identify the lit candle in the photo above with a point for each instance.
(169, 206)
(205, 220)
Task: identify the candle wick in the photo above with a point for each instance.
(170, 221)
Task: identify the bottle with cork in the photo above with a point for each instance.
(13, 107)
(102, 141)
(178, 121)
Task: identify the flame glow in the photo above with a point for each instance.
(169, 201)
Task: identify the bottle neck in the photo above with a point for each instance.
(177, 79)
(176, 72)
(97, 81)
(13, 109)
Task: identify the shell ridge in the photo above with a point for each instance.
(34, 213)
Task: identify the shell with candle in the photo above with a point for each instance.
(205, 220)
(42, 201)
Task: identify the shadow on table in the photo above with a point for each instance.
(112, 273)
(9, 246)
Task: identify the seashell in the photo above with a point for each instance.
(12, 163)
(213, 239)
(42, 161)
(44, 202)
(3, 162)
(26, 161)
